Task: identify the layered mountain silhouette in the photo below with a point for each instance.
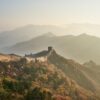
(8, 38)
(54, 78)
(27, 32)
(82, 48)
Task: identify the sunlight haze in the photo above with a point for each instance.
(15, 13)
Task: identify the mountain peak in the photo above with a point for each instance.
(49, 34)
(83, 35)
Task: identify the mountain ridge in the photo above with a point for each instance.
(8, 38)
(82, 48)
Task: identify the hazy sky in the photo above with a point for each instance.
(14, 13)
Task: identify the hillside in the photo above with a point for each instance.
(72, 69)
(93, 72)
(10, 57)
(82, 48)
(56, 78)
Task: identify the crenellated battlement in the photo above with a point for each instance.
(41, 56)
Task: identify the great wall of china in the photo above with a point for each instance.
(40, 57)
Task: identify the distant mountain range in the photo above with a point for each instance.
(81, 48)
(27, 32)
(32, 38)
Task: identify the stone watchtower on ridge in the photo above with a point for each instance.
(50, 48)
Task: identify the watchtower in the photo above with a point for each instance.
(50, 48)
